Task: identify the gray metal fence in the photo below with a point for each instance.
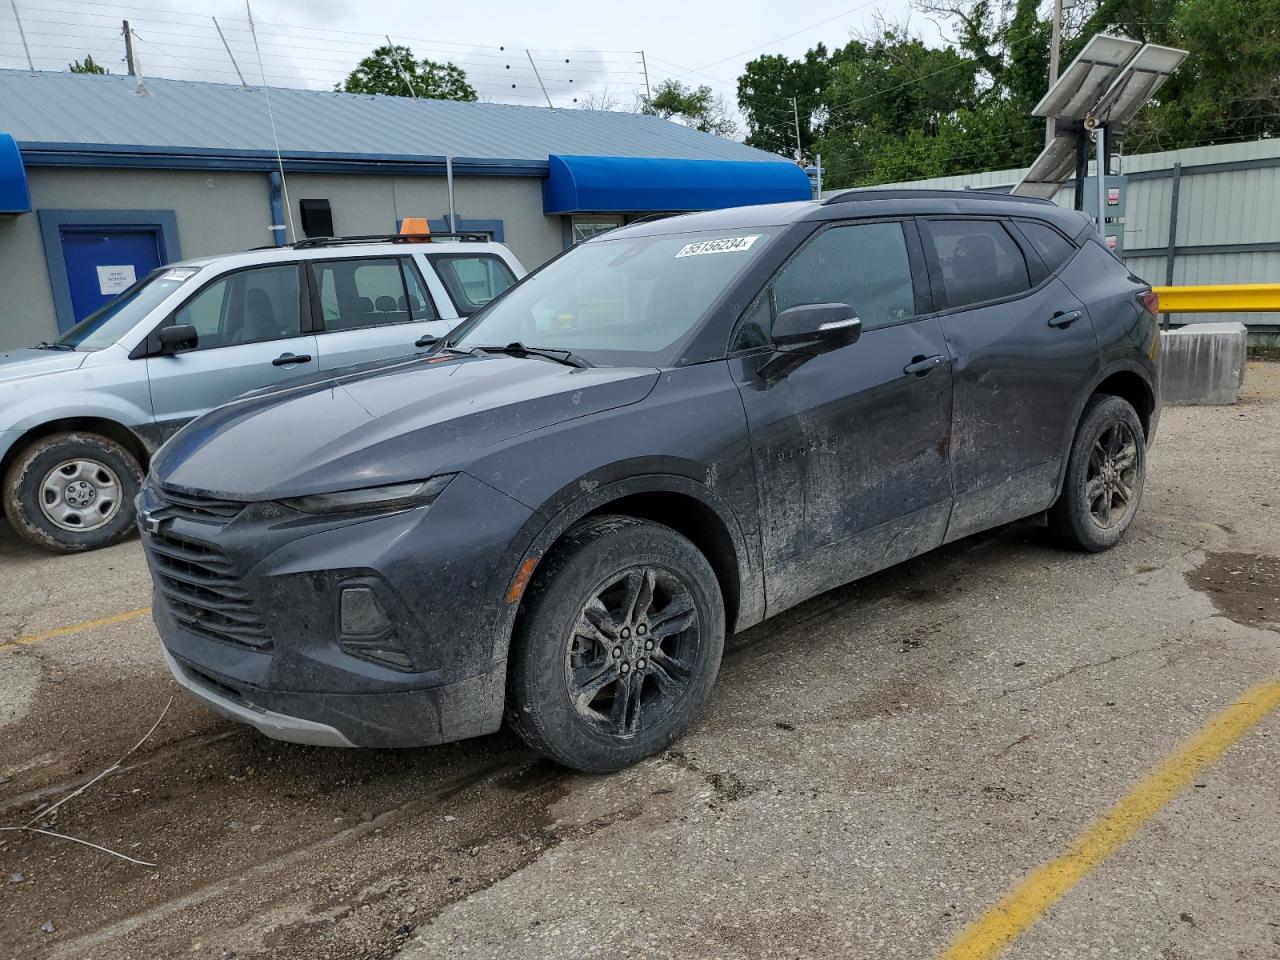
(1224, 201)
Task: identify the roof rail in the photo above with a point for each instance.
(312, 242)
(908, 194)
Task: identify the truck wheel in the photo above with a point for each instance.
(72, 491)
(1105, 474)
(619, 646)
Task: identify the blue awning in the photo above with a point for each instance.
(652, 184)
(14, 197)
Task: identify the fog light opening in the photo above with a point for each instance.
(366, 631)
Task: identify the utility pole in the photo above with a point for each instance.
(23, 34)
(795, 112)
(128, 48)
(400, 66)
(645, 66)
(1055, 46)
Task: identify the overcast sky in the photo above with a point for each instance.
(313, 44)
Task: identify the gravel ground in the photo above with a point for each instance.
(877, 767)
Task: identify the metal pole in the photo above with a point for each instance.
(644, 64)
(795, 112)
(1082, 169)
(128, 49)
(1171, 254)
(539, 76)
(231, 56)
(818, 158)
(23, 34)
(1101, 134)
(400, 66)
(448, 173)
(1055, 45)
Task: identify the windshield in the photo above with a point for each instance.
(629, 301)
(117, 317)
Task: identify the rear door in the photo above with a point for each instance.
(250, 325)
(371, 308)
(850, 447)
(1022, 346)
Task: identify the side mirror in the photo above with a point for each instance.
(807, 331)
(816, 328)
(178, 338)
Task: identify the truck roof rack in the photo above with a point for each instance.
(850, 196)
(312, 242)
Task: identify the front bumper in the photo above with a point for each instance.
(274, 658)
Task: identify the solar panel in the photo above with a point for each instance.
(1137, 83)
(1051, 169)
(1087, 78)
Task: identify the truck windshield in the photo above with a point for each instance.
(118, 316)
(629, 301)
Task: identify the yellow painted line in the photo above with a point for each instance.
(34, 638)
(994, 931)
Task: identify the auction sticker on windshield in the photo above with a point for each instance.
(723, 245)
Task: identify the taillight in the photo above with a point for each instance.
(1150, 301)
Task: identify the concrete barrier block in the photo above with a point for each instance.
(1203, 363)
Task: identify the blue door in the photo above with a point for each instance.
(103, 261)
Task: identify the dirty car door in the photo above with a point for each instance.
(1023, 347)
(850, 447)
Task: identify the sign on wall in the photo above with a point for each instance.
(114, 279)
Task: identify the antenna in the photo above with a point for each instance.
(23, 34)
(400, 66)
(230, 56)
(275, 135)
(540, 83)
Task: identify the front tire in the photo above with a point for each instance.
(1106, 471)
(72, 491)
(618, 649)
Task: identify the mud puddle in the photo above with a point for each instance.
(1244, 587)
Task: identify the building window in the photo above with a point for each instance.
(584, 228)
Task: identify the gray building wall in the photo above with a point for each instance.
(221, 212)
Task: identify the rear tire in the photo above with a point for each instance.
(1106, 471)
(619, 646)
(72, 491)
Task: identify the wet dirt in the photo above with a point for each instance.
(1244, 587)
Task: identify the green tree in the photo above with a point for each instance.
(87, 65)
(695, 107)
(386, 69)
(766, 90)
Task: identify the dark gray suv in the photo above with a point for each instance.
(672, 431)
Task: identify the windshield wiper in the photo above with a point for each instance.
(518, 349)
(46, 345)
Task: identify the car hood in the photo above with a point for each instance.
(392, 424)
(24, 363)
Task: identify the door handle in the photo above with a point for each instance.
(1063, 319)
(921, 366)
(425, 341)
(288, 359)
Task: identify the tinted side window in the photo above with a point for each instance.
(246, 307)
(472, 281)
(361, 293)
(864, 265)
(1053, 247)
(979, 261)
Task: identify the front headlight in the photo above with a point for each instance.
(395, 496)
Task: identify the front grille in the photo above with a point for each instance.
(203, 509)
(204, 592)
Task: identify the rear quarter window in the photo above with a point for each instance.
(472, 280)
(1054, 249)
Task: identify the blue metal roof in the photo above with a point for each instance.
(14, 197)
(605, 184)
(95, 120)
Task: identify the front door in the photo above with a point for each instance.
(850, 448)
(250, 335)
(104, 261)
(1023, 346)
